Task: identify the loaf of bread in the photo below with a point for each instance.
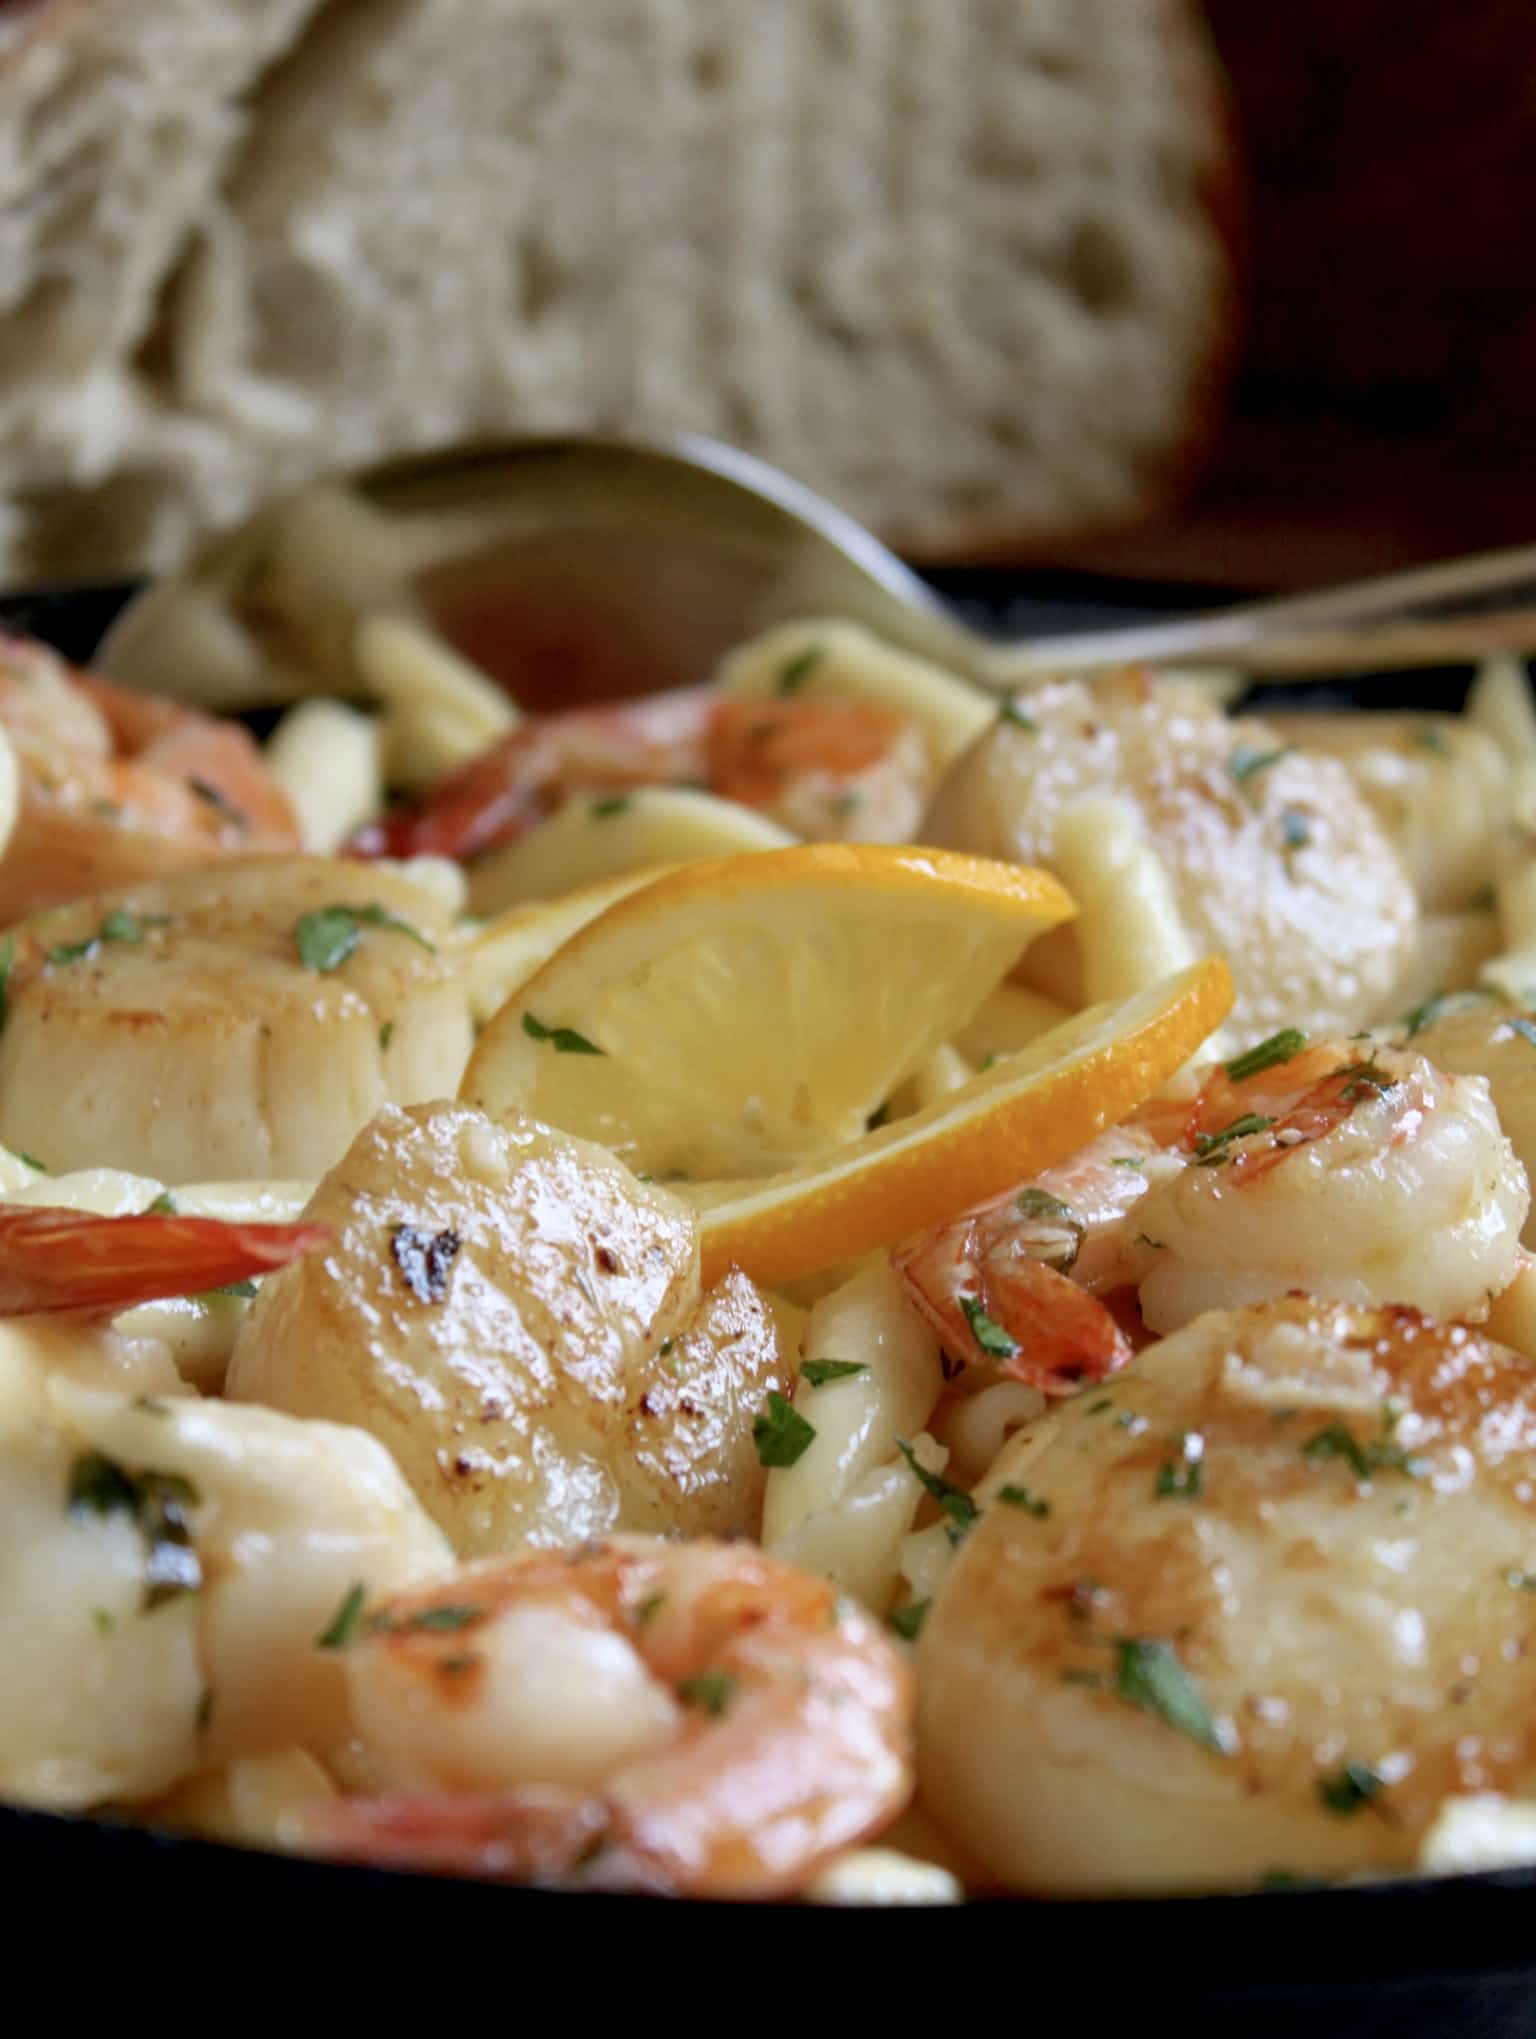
(964, 265)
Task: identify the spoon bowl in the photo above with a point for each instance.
(589, 568)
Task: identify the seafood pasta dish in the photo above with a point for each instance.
(822, 1286)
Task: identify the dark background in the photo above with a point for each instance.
(1385, 404)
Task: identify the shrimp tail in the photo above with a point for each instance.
(54, 1260)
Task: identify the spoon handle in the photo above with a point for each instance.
(1388, 621)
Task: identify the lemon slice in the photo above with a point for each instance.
(506, 951)
(747, 1014)
(1025, 1112)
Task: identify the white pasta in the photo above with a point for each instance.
(439, 709)
(856, 1540)
(591, 840)
(884, 1876)
(1500, 702)
(974, 1428)
(842, 661)
(858, 1419)
(1128, 928)
(328, 759)
(1513, 971)
(440, 878)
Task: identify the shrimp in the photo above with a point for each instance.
(1014, 1287)
(1368, 1175)
(1348, 1170)
(700, 1719)
(55, 1260)
(115, 786)
(825, 768)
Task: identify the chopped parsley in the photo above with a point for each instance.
(118, 926)
(1279, 1048)
(1525, 1028)
(1014, 716)
(988, 1334)
(953, 1501)
(1128, 1161)
(1183, 1478)
(908, 1621)
(710, 1691)
(1248, 759)
(1091, 1679)
(1026, 1502)
(665, 1347)
(158, 1504)
(425, 1260)
(820, 1371)
(1148, 1674)
(849, 803)
(219, 802)
(164, 1206)
(1523, 1582)
(1210, 1148)
(243, 1289)
(386, 1034)
(1381, 1456)
(649, 1608)
(564, 1040)
(1429, 738)
(795, 671)
(1347, 1790)
(610, 805)
(1426, 1014)
(326, 937)
(781, 1433)
(346, 1623)
(102, 1621)
(1295, 829)
(453, 1616)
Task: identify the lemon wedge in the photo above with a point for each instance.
(745, 1015)
(1028, 1110)
(506, 951)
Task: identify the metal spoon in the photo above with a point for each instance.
(590, 568)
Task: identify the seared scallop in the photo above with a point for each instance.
(1260, 1604)
(236, 1020)
(521, 1322)
(1276, 861)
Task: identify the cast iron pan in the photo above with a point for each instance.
(1449, 1958)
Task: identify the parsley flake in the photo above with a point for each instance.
(1210, 1148)
(118, 926)
(1026, 1502)
(564, 1040)
(1128, 1161)
(1014, 716)
(1349, 1789)
(1183, 1478)
(1248, 759)
(988, 1334)
(611, 805)
(220, 802)
(1148, 1674)
(820, 1371)
(908, 1621)
(781, 1433)
(795, 671)
(102, 1621)
(386, 1035)
(158, 1505)
(164, 1206)
(1429, 738)
(648, 1609)
(1295, 829)
(710, 1691)
(453, 1616)
(329, 935)
(1523, 1582)
(1270, 1054)
(1525, 1028)
(1382, 1456)
(243, 1289)
(345, 1624)
(953, 1501)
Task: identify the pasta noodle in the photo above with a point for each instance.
(328, 759)
(439, 709)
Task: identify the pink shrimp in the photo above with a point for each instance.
(824, 768)
(696, 1718)
(994, 1283)
(53, 1260)
(117, 786)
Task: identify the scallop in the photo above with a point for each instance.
(236, 1021)
(520, 1321)
(1261, 1604)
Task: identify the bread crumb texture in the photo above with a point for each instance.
(959, 263)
